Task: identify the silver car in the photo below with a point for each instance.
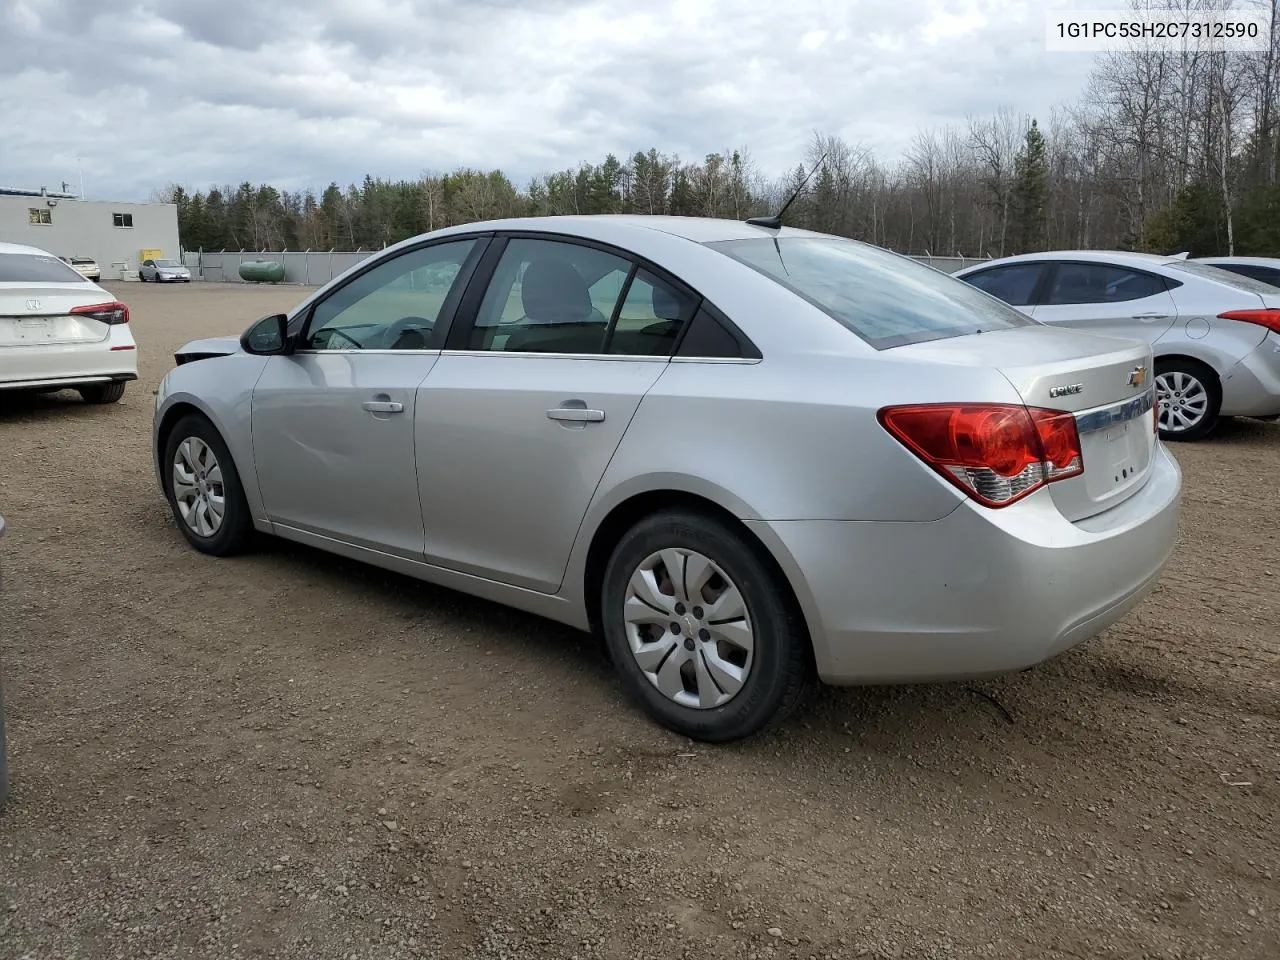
(750, 458)
(163, 271)
(1215, 335)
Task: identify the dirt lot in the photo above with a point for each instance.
(289, 755)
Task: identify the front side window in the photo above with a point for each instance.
(393, 306)
(1078, 283)
(886, 300)
(548, 296)
(1014, 284)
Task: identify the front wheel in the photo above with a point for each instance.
(1188, 398)
(702, 629)
(204, 488)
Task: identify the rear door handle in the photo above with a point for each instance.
(383, 406)
(1151, 316)
(575, 413)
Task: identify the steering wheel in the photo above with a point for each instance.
(400, 327)
(335, 331)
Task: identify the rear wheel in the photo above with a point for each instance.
(1188, 398)
(103, 392)
(204, 488)
(702, 629)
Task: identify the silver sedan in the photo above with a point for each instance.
(163, 271)
(751, 458)
(1215, 334)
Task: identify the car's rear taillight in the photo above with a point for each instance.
(1263, 318)
(996, 453)
(113, 312)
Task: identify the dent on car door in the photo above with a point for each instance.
(518, 421)
(333, 432)
(1108, 299)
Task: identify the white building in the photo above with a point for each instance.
(117, 235)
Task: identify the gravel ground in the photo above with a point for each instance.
(290, 755)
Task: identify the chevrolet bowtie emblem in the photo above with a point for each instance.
(1137, 376)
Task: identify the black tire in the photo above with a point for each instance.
(236, 530)
(781, 672)
(1208, 380)
(103, 392)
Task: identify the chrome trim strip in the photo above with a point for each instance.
(1092, 421)
(628, 357)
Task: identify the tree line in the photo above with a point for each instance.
(1162, 152)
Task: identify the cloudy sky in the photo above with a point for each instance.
(301, 92)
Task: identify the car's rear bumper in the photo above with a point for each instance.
(68, 364)
(1252, 387)
(978, 593)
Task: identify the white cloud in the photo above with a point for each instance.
(301, 92)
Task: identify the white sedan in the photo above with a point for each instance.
(59, 330)
(1215, 335)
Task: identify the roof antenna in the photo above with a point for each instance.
(775, 222)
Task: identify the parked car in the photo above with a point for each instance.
(1263, 269)
(747, 456)
(87, 267)
(59, 330)
(1215, 335)
(164, 271)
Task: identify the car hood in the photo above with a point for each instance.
(208, 347)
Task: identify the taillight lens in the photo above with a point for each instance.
(1263, 318)
(112, 313)
(996, 453)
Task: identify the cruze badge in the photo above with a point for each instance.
(1137, 376)
(1066, 390)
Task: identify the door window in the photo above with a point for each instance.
(650, 318)
(394, 306)
(1014, 284)
(1101, 283)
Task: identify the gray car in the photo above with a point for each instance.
(1215, 335)
(163, 271)
(749, 457)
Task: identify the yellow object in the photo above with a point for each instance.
(149, 255)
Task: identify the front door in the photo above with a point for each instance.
(333, 433)
(520, 417)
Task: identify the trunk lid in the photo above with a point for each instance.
(40, 314)
(1107, 382)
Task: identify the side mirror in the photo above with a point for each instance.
(268, 337)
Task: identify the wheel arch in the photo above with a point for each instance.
(626, 513)
(180, 405)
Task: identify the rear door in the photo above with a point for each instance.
(333, 434)
(1107, 299)
(527, 404)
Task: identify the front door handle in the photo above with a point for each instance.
(383, 406)
(578, 412)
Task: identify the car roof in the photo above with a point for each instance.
(1256, 261)
(23, 248)
(616, 227)
(1124, 258)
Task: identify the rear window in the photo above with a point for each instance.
(1226, 277)
(885, 299)
(34, 268)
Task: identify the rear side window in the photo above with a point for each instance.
(34, 268)
(1014, 284)
(1101, 283)
(885, 299)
